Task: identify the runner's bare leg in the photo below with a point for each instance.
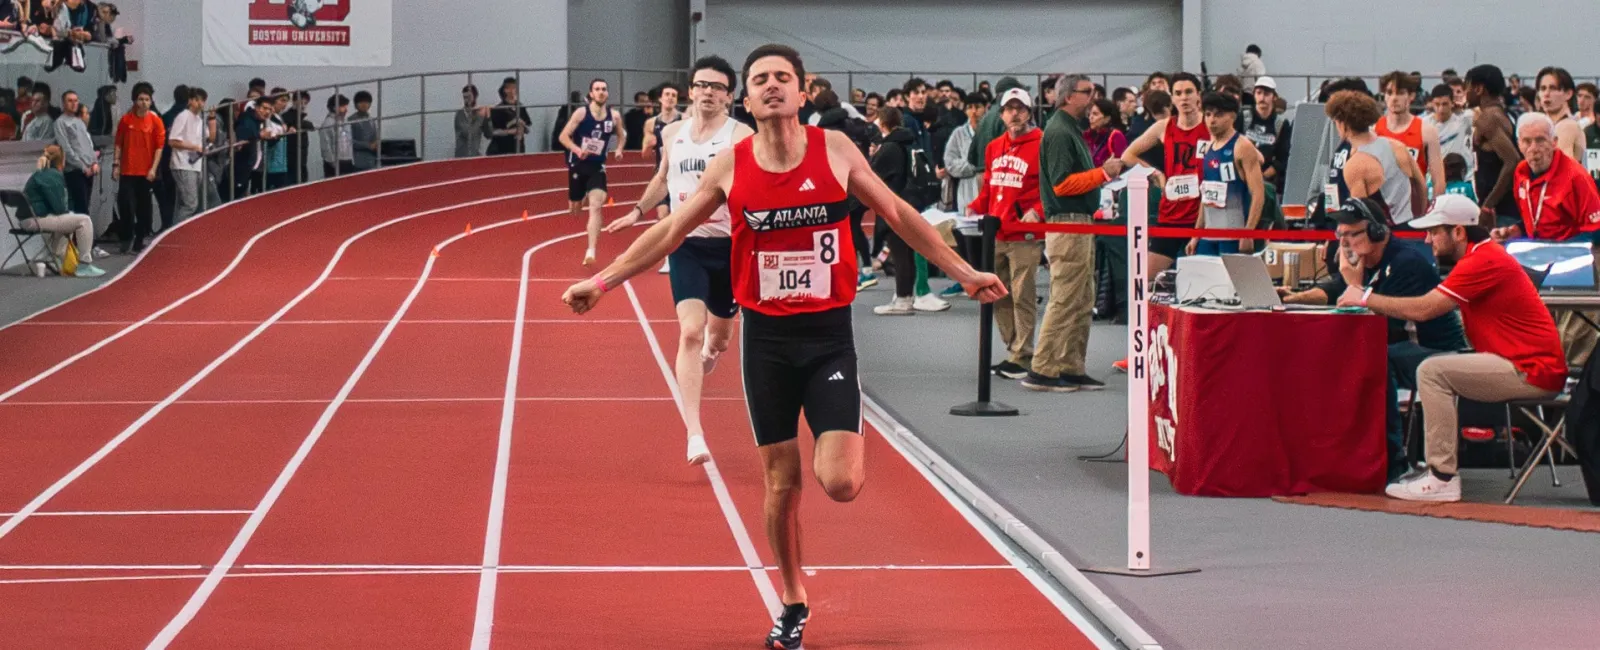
(690, 369)
(597, 202)
(839, 461)
(782, 509)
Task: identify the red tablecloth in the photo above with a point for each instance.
(1257, 404)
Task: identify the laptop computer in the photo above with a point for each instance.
(1254, 286)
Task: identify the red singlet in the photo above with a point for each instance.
(792, 247)
(1411, 137)
(1180, 199)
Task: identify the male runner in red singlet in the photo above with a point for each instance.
(1185, 139)
(794, 277)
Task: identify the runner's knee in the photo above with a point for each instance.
(840, 486)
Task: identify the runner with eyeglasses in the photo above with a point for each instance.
(698, 269)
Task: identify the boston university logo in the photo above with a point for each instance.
(299, 22)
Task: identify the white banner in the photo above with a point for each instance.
(297, 32)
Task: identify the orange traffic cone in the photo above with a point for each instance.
(524, 215)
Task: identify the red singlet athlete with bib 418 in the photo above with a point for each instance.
(794, 277)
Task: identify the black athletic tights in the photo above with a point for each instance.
(905, 265)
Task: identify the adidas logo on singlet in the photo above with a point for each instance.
(807, 186)
(797, 217)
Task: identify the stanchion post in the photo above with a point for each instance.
(1139, 385)
(984, 407)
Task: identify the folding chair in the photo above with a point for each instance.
(17, 210)
(1541, 451)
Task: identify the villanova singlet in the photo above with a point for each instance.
(688, 160)
(792, 247)
(593, 136)
(1223, 193)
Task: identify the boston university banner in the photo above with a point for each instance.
(297, 32)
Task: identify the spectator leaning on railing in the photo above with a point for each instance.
(1517, 349)
(187, 141)
(47, 196)
(338, 150)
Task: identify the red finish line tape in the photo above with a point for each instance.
(1187, 233)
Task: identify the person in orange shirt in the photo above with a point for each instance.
(1420, 138)
(140, 138)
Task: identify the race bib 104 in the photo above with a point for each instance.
(791, 275)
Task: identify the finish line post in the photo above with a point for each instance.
(1138, 383)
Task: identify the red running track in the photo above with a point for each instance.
(291, 425)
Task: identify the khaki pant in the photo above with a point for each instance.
(1064, 334)
(1017, 265)
(1480, 377)
(78, 226)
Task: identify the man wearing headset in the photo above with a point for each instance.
(1366, 259)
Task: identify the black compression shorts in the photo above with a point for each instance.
(800, 363)
(1169, 247)
(698, 270)
(583, 180)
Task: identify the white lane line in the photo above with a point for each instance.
(15, 520)
(511, 568)
(741, 535)
(358, 400)
(488, 576)
(891, 431)
(102, 567)
(267, 571)
(237, 259)
(408, 321)
(209, 585)
(131, 513)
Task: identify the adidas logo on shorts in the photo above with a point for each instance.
(836, 376)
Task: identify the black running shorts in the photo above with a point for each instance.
(1169, 247)
(582, 180)
(698, 270)
(800, 363)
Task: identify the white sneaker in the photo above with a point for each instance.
(588, 257)
(897, 307)
(930, 302)
(1426, 487)
(698, 453)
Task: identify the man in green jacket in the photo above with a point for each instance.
(1069, 185)
(991, 126)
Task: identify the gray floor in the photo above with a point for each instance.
(22, 294)
(1273, 575)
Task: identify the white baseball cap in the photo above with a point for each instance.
(1266, 82)
(1017, 94)
(1448, 210)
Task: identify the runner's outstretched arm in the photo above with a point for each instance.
(655, 191)
(908, 223)
(660, 239)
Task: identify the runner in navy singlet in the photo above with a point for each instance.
(794, 277)
(587, 136)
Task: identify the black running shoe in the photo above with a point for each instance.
(787, 629)
(1010, 370)
(1037, 382)
(1084, 382)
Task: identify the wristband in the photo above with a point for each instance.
(600, 282)
(1365, 295)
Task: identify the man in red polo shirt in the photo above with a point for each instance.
(1010, 193)
(1556, 196)
(1517, 350)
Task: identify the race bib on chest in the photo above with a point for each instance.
(1214, 194)
(800, 275)
(1591, 160)
(1330, 197)
(1201, 148)
(1183, 188)
(593, 146)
